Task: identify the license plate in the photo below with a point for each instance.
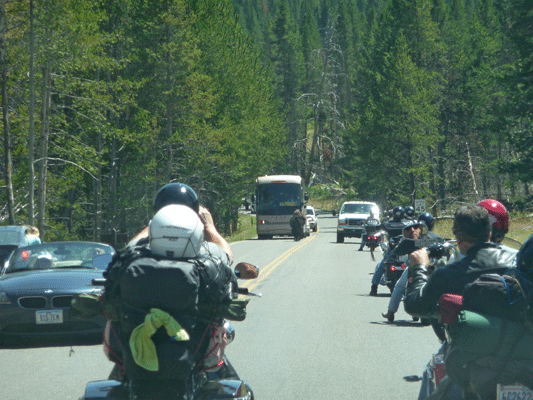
(514, 392)
(49, 317)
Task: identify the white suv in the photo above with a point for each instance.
(352, 217)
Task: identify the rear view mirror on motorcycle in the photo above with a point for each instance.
(245, 270)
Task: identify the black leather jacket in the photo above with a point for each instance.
(424, 290)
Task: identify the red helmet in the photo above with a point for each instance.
(499, 217)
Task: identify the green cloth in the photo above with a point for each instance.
(141, 344)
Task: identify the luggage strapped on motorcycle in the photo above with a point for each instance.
(493, 326)
(199, 293)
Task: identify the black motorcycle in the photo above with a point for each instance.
(220, 382)
(393, 270)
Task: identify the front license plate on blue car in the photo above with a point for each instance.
(49, 317)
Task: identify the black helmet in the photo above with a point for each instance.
(176, 193)
(397, 213)
(427, 219)
(410, 212)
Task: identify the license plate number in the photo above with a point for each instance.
(514, 392)
(49, 317)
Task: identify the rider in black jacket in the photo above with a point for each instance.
(472, 229)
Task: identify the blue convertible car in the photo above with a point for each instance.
(37, 284)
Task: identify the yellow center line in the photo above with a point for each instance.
(266, 271)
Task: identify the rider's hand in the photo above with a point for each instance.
(419, 256)
(206, 218)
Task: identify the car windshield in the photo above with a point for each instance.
(357, 209)
(310, 211)
(59, 255)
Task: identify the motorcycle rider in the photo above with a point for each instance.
(472, 229)
(399, 289)
(180, 193)
(175, 233)
(410, 213)
(394, 228)
(374, 222)
(214, 245)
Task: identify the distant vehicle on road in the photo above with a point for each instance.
(275, 200)
(352, 216)
(311, 218)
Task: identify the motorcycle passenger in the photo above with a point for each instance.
(214, 244)
(394, 228)
(179, 193)
(176, 235)
(472, 230)
(499, 217)
(399, 289)
(297, 223)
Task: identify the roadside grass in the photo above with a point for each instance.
(245, 228)
(520, 228)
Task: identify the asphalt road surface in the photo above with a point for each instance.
(314, 334)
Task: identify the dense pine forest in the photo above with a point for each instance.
(104, 101)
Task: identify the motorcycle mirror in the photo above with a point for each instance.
(245, 270)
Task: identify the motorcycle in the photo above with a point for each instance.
(434, 376)
(393, 267)
(221, 382)
(373, 235)
(393, 270)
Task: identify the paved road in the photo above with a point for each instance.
(315, 333)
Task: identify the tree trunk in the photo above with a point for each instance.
(31, 111)
(43, 150)
(98, 190)
(5, 117)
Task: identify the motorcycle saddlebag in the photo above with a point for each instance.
(499, 295)
(489, 335)
(169, 285)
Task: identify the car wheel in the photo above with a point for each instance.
(340, 238)
(315, 229)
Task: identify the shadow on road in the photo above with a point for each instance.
(53, 342)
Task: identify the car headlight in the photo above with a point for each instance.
(4, 300)
(342, 222)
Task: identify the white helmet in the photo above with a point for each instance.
(176, 232)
